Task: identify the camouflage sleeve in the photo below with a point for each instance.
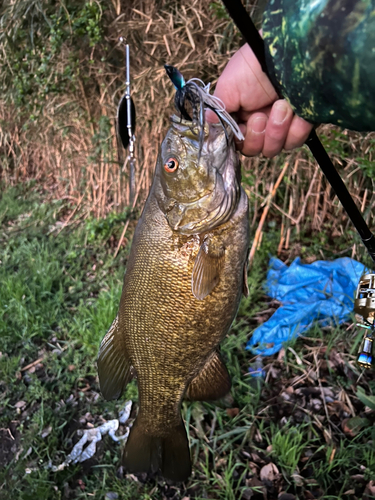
(321, 53)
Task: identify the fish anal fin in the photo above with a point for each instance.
(207, 269)
(167, 454)
(114, 367)
(212, 383)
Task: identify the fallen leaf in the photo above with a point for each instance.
(232, 412)
(370, 488)
(298, 480)
(81, 484)
(358, 477)
(336, 358)
(222, 462)
(281, 354)
(21, 405)
(309, 495)
(253, 482)
(269, 472)
(286, 496)
(352, 426)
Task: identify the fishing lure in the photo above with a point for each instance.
(126, 121)
(198, 95)
(364, 307)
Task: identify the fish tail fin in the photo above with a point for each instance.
(168, 454)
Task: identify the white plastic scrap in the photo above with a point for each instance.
(92, 436)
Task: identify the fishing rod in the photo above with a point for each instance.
(248, 30)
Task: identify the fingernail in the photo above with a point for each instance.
(259, 125)
(280, 111)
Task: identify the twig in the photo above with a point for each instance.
(71, 214)
(34, 363)
(308, 194)
(259, 230)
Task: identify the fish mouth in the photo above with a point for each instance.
(220, 200)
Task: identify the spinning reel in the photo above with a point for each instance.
(364, 307)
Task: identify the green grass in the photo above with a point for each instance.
(59, 292)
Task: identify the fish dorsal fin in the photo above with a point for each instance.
(212, 383)
(207, 270)
(114, 367)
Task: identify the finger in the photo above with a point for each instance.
(277, 128)
(254, 134)
(299, 131)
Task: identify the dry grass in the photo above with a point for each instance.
(70, 151)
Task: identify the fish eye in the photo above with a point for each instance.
(171, 165)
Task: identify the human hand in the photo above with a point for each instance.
(267, 122)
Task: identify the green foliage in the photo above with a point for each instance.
(34, 37)
(102, 229)
(60, 292)
(288, 445)
(339, 144)
(366, 400)
(219, 11)
(230, 37)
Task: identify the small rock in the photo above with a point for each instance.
(46, 431)
(247, 494)
(285, 396)
(111, 495)
(316, 404)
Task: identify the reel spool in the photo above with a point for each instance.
(364, 307)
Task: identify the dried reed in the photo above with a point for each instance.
(72, 148)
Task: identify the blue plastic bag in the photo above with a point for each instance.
(322, 291)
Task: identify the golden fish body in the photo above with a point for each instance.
(182, 287)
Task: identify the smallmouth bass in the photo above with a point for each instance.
(183, 284)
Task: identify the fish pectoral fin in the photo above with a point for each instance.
(207, 269)
(212, 383)
(114, 367)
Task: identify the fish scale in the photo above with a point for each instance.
(180, 295)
